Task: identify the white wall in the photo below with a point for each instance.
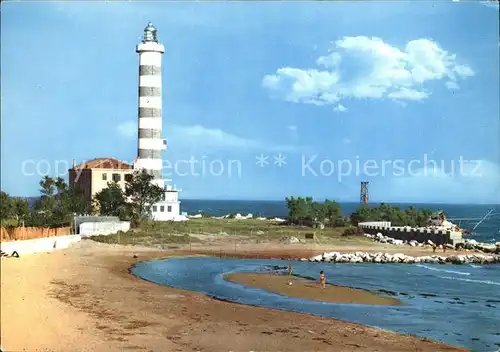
(46, 244)
(103, 228)
(375, 223)
(173, 215)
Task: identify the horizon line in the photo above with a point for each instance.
(314, 199)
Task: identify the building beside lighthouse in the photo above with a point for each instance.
(151, 143)
(92, 176)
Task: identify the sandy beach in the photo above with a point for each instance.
(309, 289)
(85, 299)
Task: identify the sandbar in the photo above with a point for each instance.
(309, 289)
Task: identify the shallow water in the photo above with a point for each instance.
(459, 305)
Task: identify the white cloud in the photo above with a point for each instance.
(408, 94)
(207, 138)
(347, 141)
(382, 71)
(340, 108)
(292, 128)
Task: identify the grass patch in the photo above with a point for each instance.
(193, 231)
(145, 238)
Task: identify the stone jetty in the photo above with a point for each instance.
(398, 258)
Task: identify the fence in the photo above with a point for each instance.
(28, 233)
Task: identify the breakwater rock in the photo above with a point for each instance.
(468, 244)
(389, 240)
(483, 247)
(388, 258)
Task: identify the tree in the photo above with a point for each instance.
(305, 212)
(362, 214)
(111, 201)
(47, 186)
(394, 214)
(14, 210)
(46, 205)
(300, 211)
(72, 201)
(21, 208)
(57, 204)
(141, 194)
(333, 213)
(320, 213)
(7, 206)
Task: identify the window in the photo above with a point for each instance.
(128, 177)
(162, 208)
(116, 177)
(155, 208)
(169, 208)
(104, 176)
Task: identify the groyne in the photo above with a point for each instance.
(399, 258)
(407, 233)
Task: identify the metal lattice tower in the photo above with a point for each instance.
(363, 196)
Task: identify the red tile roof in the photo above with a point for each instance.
(104, 163)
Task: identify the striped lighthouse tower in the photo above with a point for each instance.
(150, 141)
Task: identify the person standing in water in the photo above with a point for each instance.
(290, 269)
(322, 279)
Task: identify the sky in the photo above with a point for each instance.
(262, 100)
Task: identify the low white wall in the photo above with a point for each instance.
(375, 223)
(46, 244)
(103, 228)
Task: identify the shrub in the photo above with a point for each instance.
(352, 231)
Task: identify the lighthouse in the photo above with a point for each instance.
(151, 143)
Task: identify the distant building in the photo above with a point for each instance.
(92, 176)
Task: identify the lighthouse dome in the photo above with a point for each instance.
(150, 33)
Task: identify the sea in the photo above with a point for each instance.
(456, 304)
(488, 231)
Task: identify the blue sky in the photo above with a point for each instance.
(399, 84)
